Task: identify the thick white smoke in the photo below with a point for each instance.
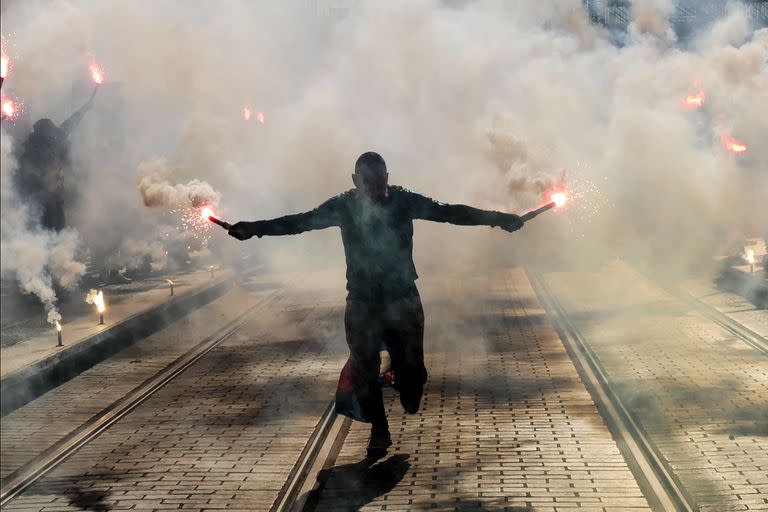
(425, 83)
(38, 259)
(157, 191)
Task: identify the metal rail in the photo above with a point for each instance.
(29, 473)
(742, 332)
(323, 447)
(659, 484)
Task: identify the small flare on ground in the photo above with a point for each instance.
(97, 299)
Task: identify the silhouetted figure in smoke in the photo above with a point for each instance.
(383, 304)
(42, 165)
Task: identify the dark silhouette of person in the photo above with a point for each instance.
(40, 179)
(383, 303)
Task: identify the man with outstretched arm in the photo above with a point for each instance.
(383, 304)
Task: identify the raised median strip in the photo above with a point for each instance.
(32, 378)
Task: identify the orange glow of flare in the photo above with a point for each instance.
(247, 113)
(260, 117)
(559, 198)
(732, 145)
(695, 100)
(4, 63)
(750, 256)
(97, 74)
(9, 109)
(206, 212)
(99, 301)
(169, 281)
(58, 326)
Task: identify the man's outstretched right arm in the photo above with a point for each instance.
(324, 216)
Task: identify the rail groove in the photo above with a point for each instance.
(21, 479)
(659, 484)
(742, 332)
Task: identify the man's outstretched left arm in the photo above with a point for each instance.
(428, 209)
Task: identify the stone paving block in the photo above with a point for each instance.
(496, 422)
(226, 431)
(698, 392)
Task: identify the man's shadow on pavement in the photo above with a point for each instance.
(352, 486)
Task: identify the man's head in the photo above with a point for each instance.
(46, 128)
(371, 176)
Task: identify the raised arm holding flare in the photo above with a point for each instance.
(383, 303)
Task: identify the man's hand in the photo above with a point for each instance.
(511, 222)
(242, 231)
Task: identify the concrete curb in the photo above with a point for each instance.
(24, 385)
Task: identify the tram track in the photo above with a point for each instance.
(737, 329)
(25, 476)
(657, 480)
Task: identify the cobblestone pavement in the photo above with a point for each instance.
(506, 423)
(734, 306)
(225, 432)
(27, 431)
(700, 393)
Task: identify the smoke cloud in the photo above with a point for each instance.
(157, 191)
(485, 103)
(38, 259)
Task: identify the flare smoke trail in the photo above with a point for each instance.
(157, 191)
(476, 102)
(38, 259)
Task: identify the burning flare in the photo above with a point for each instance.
(559, 198)
(58, 326)
(97, 299)
(206, 212)
(97, 73)
(260, 117)
(169, 281)
(4, 64)
(732, 145)
(9, 109)
(247, 113)
(694, 101)
(750, 256)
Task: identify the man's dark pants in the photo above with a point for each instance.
(396, 324)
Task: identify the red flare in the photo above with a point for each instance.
(247, 113)
(97, 73)
(732, 145)
(4, 65)
(9, 108)
(559, 198)
(694, 101)
(260, 117)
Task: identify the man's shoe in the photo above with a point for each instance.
(410, 402)
(378, 444)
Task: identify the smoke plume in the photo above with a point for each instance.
(157, 191)
(38, 259)
(424, 83)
